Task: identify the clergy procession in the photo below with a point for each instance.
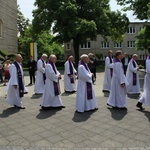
(117, 81)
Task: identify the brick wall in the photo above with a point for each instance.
(8, 16)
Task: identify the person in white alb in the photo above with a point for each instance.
(108, 72)
(85, 98)
(40, 75)
(51, 96)
(16, 87)
(118, 93)
(69, 76)
(145, 98)
(132, 76)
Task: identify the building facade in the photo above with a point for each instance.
(8, 25)
(100, 46)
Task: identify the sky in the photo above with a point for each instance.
(27, 6)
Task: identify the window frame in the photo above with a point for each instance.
(131, 30)
(105, 45)
(119, 45)
(68, 46)
(86, 45)
(129, 43)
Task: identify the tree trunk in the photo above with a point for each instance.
(76, 44)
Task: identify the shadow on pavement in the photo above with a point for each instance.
(117, 114)
(146, 113)
(78, 117)
(44, 114)
(36, 96)
(9, 111)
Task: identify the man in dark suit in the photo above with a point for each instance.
(32, 68)
(92, 66)
(125, 62)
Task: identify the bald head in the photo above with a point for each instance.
(18, 58)
(53, 58)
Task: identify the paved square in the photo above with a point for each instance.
(106, 128)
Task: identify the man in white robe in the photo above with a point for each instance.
(40, 75)
(51, 96)
(16, 88)
(132, 76)
(118, 95)
(108, 72)
(69, 76)
(85, 98)
(145, 98)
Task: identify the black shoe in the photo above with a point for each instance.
(96, 109)
(121, 108)
(109, 105)
(45, 108)
(30, 84)
(139, 105)
(20, 107)
(79, 112)
(70, 92)
(38, 94)
(63, 106)
(59, 107)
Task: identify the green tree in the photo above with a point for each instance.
(22, 22)
(143, 39)
(4, 55)
(78, 20)
(140, 8)
(44, 41)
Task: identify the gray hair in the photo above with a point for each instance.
(44, 55)
(52, 56)
(135, 55)
(83, 56)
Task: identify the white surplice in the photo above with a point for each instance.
(13, 97)
(132, 89)
(145, 98)
(107, 76)
(48, 98)
(82, 102)
(39, 82)
(118, 95)
(68, 86)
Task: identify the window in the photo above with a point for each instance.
(105, 44)
(141, 28)
(86, 45)
(68, 46)
(131, 30)
(131, 44)
(118, 45)
(1, 28)
(141, 56)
